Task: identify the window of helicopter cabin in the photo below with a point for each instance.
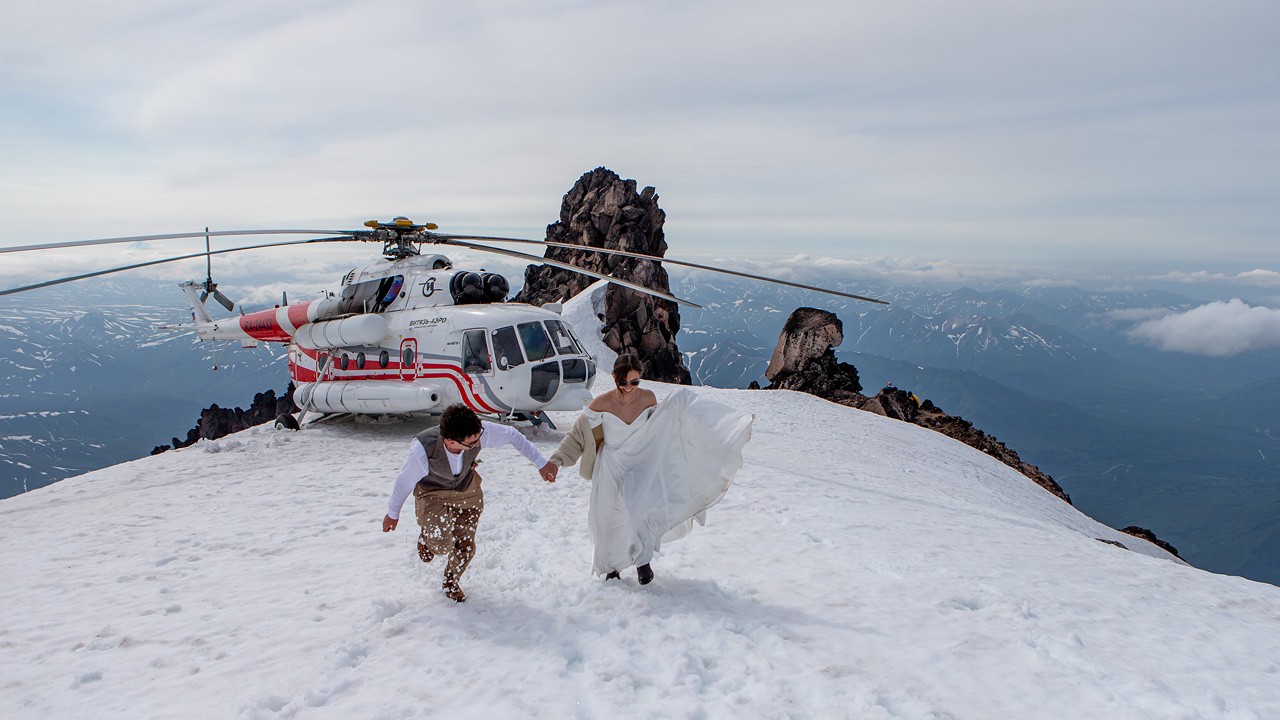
(343, 362)
(537, 346)
(574, 370)
(475, 352)
(506, 348)
(563, 338)
(371, 295)
(360, 361)
(384, 359)
(408, 358)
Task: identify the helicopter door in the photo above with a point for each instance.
(408, 359)
(475, 352)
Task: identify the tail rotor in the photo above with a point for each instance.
(210, 287)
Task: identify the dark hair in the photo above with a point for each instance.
(458, 423)
(624, 365)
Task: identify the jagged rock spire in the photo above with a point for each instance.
(603, 210)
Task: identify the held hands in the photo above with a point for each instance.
(549, 472)
(389, 523)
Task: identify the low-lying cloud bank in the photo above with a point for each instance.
(1218, 329)
(1258, 276)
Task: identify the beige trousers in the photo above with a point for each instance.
(450, 529)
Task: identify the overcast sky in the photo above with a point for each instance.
(1024, 130)
(1137, 138)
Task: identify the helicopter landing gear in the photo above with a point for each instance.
(285, 421)
(539, 417)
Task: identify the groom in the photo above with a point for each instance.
(441, 472)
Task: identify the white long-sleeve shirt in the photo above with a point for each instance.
(415, 465)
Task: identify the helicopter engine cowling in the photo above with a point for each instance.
(368, 396)
(473, 288)
(347, 332)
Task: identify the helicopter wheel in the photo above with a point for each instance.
(286, 421)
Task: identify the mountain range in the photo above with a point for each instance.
(92, 377)
(1184, 445)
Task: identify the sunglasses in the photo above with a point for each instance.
(632, 383)
(469, 445)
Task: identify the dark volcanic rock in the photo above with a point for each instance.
(216, 422)
(805, 358)
(805, 361)
(1150, 537)
(604, 211)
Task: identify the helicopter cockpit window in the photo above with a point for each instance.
(371, 296)
(574, 370)
(563, 339)
(537, 346)
(475, 352)
(506, 349)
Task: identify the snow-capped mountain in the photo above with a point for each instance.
(859, 567)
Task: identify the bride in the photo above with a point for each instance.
(655, 468)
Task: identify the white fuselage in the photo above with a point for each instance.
(394, 340)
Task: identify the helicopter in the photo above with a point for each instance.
(410, 333)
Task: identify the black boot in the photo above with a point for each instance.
(613, 575)
(645, 574)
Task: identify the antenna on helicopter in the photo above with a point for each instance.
(210, 287)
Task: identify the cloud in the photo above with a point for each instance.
(837, 271)
(1051, 283)
(1258, 276)
(912, 128)
(1218, 329)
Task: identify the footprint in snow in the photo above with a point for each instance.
(386, 609)
(85, 679)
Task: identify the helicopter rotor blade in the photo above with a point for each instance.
(208, 261)
(170, 236)
(149, 263)
(453, 239)
(566, 266)
(224, 301)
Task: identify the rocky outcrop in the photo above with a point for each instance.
(604, 211)
(216, 422)
(804, 360)
(1150, 537)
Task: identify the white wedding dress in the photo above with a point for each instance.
(655, 477)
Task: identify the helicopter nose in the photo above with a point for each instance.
(570, 398)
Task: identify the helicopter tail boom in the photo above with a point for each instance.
(272, 325)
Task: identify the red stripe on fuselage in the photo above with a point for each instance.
(262, 325)
(470, 395)
(298, 314)
(457, 377)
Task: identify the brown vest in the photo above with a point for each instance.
(439, 475)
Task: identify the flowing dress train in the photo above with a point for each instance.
(655, 477)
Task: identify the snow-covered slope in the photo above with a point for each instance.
(859, 567)
(583, 312)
